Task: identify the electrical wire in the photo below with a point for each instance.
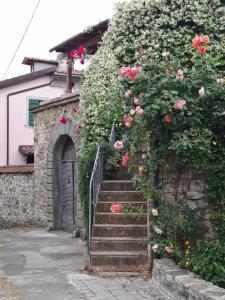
(24, 34)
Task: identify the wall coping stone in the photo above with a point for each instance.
(60, 101)
(24, 169)
(181, 284)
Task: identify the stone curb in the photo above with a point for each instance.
(183, 285)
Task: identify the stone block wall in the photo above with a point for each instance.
(47, 130)
(186, 186)
(183, 285)
(16, 195)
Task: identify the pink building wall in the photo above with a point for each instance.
(20, 133)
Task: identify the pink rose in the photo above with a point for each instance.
(166, 54)
(139, 111)
(157, 230)
(137, 101)
(155, 248)
(116, 208)
(179, 105)
(136, 70)
(168, 250)
(180, 74)
(123, 72)
(201, 92)
(155, 212)
(128, 94)
(118, 145)
(129, 72)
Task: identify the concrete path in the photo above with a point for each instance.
(37, 265)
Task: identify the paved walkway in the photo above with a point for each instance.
(37, 265)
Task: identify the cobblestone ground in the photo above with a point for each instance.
(37, 265)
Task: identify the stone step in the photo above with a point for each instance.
(117, 185)
(122, 271)
(121, 174)
(104, 206)
(118, 244)
(120, 196)
(119, 218)
(102, 258)
(112, 230)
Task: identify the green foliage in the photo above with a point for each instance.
(193, 135)
(139, 32)
(85, 165)
(209, 260)
(100, 97)
(179, 224)
(134, 211)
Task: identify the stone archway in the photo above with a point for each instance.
(62, 149)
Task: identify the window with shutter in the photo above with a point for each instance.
(32, 104)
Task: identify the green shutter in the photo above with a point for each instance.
(32, 104)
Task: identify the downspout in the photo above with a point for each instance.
(155, 144)
(69, 78)
(7, 114)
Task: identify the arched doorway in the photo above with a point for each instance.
(62, 194)
(63, 149)
(67, 208)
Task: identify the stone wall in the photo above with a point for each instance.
(186, 186)
(183, 285)
(16, 195)
(47, 131)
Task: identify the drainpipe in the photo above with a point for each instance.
(69, 78)
(155, 144)
(7, 114)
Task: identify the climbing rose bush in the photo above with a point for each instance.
(186, 118)
(146, 34)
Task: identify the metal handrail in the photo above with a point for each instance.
(95, 183)
(112, 138)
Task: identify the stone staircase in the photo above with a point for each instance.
(118, 241)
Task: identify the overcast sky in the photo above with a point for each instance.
(54, 22)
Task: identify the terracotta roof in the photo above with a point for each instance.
(89, 39)
(26, 149)
(31, 60)
(17, 169)
(26, 77)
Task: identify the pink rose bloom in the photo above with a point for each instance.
(123, 72)
(155, 248)
(201, 92)
(118, 145)
(180, 74)
(155, 212)
(129, 72)
(157, 230)
(166, 54)
(179, 105)
(168, 250)
(128, 94)
(139, 111)
(132, 111)
(136, 70)
(137, 101)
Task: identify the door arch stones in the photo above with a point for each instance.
(62, 148)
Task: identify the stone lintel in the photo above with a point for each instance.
(17, 169)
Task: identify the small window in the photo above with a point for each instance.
(30, 159)
(32, 104)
